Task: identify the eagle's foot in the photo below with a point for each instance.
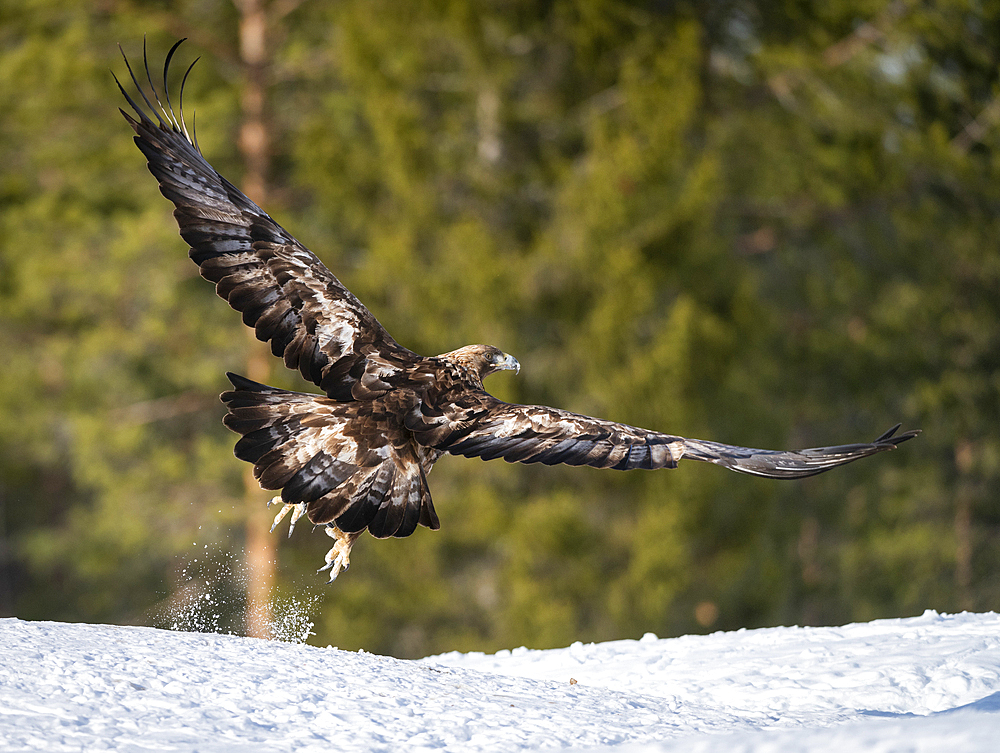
(297, 509)
(339, 556)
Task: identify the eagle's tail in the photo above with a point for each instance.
(302, 444)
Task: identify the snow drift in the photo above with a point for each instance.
(924, 683)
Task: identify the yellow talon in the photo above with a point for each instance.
(339, 556)
(297, 509)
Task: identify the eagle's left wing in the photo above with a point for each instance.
(482, 426)
(282, 289)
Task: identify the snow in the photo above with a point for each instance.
(925, 683)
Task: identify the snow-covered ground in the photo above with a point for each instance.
(928, 683)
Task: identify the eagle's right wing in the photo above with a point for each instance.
(282, 289)
(482, 426)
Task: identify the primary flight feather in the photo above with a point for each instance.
(356, 458)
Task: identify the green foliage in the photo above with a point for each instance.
(768, 224)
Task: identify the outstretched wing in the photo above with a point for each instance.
(282, 289)
(482, 426)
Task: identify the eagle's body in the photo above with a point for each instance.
(357, 457)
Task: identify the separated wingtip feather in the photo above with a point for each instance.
(891, 439)
(194, 131)
(169, 119)
(166, 87)
(193, 140)
(142, 114)
(130, 101)
(152, 86)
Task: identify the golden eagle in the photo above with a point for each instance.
(357, 456)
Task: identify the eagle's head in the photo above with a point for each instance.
(483, 360)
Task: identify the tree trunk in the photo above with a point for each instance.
(255, 148)
(964, 461)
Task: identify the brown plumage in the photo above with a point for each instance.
(357, 457)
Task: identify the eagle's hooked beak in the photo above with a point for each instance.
(509, 363)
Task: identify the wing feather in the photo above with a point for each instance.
(282, 289)
(485, 427)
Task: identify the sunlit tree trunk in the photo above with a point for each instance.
(255, 148)
(963, 526)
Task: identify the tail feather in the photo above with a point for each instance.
(365, 505)
(400, 507)
(389, 500)
(428, 517)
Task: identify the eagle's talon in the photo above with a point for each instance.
(297, 509)
(298, 512)
(339, 557)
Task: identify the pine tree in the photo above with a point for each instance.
(769, 224)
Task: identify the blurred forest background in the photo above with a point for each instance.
(766, 223)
